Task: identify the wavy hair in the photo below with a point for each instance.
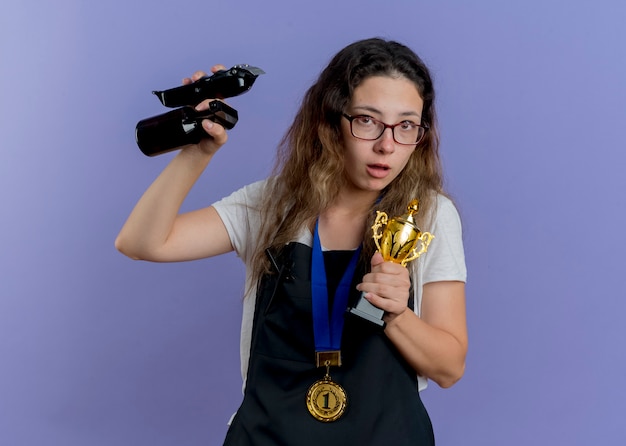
(309, 169)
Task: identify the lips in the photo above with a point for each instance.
(378, 170)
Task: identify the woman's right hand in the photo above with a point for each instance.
(217, 133)
(155, 230)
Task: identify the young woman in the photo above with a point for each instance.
(364, 140)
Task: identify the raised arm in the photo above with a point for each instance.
(155, 230)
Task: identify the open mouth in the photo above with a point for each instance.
(378, 170)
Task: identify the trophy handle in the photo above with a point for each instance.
(381, 220)
(425, 238)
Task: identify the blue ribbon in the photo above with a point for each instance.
(327, 331)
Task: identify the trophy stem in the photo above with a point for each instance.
(367, 311)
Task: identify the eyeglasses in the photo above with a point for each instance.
(370, 129)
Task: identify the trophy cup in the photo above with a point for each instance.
(399, 241)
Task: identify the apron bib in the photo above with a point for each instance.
(384, 407)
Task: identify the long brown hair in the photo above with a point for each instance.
(309, 169)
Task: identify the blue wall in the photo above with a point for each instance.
(96, 349)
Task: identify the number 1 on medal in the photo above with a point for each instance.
(326, 396)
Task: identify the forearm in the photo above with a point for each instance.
(431, 351)
(435, 343)
(150, 223)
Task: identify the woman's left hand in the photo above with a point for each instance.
(434, 344)
(387, 287)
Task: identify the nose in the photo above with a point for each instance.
(386, 143)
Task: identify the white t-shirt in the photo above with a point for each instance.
(444, 261)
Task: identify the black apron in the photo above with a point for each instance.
(384, 407)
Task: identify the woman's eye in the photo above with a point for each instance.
(365, 120)
(407, 125)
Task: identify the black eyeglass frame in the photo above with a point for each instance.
(385, 127)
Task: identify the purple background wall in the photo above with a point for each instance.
(96, 349)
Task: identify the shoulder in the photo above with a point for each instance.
(249, 196)
(445, 259)
(241, 214)
(443, 216)
(445, 209)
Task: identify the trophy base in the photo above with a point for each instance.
(365, 310)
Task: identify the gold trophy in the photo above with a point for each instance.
(399, 241)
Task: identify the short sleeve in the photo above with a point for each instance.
(240, 213)
(445, 259)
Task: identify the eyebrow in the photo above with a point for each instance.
(369, 108)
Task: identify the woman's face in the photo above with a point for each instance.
(373, 165)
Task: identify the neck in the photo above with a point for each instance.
(356, 203)
(342, 224)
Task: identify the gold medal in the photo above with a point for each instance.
(326, 400)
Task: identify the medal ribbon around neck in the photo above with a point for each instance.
(327, 331)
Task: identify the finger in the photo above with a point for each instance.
(389, 306)
(387, 290)
(216, 131)
(204, 105)
(391, 280)
(218, 67)
(200, 74)
(197, 75)
(377, 259)
(391, 268)
(387, 271)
